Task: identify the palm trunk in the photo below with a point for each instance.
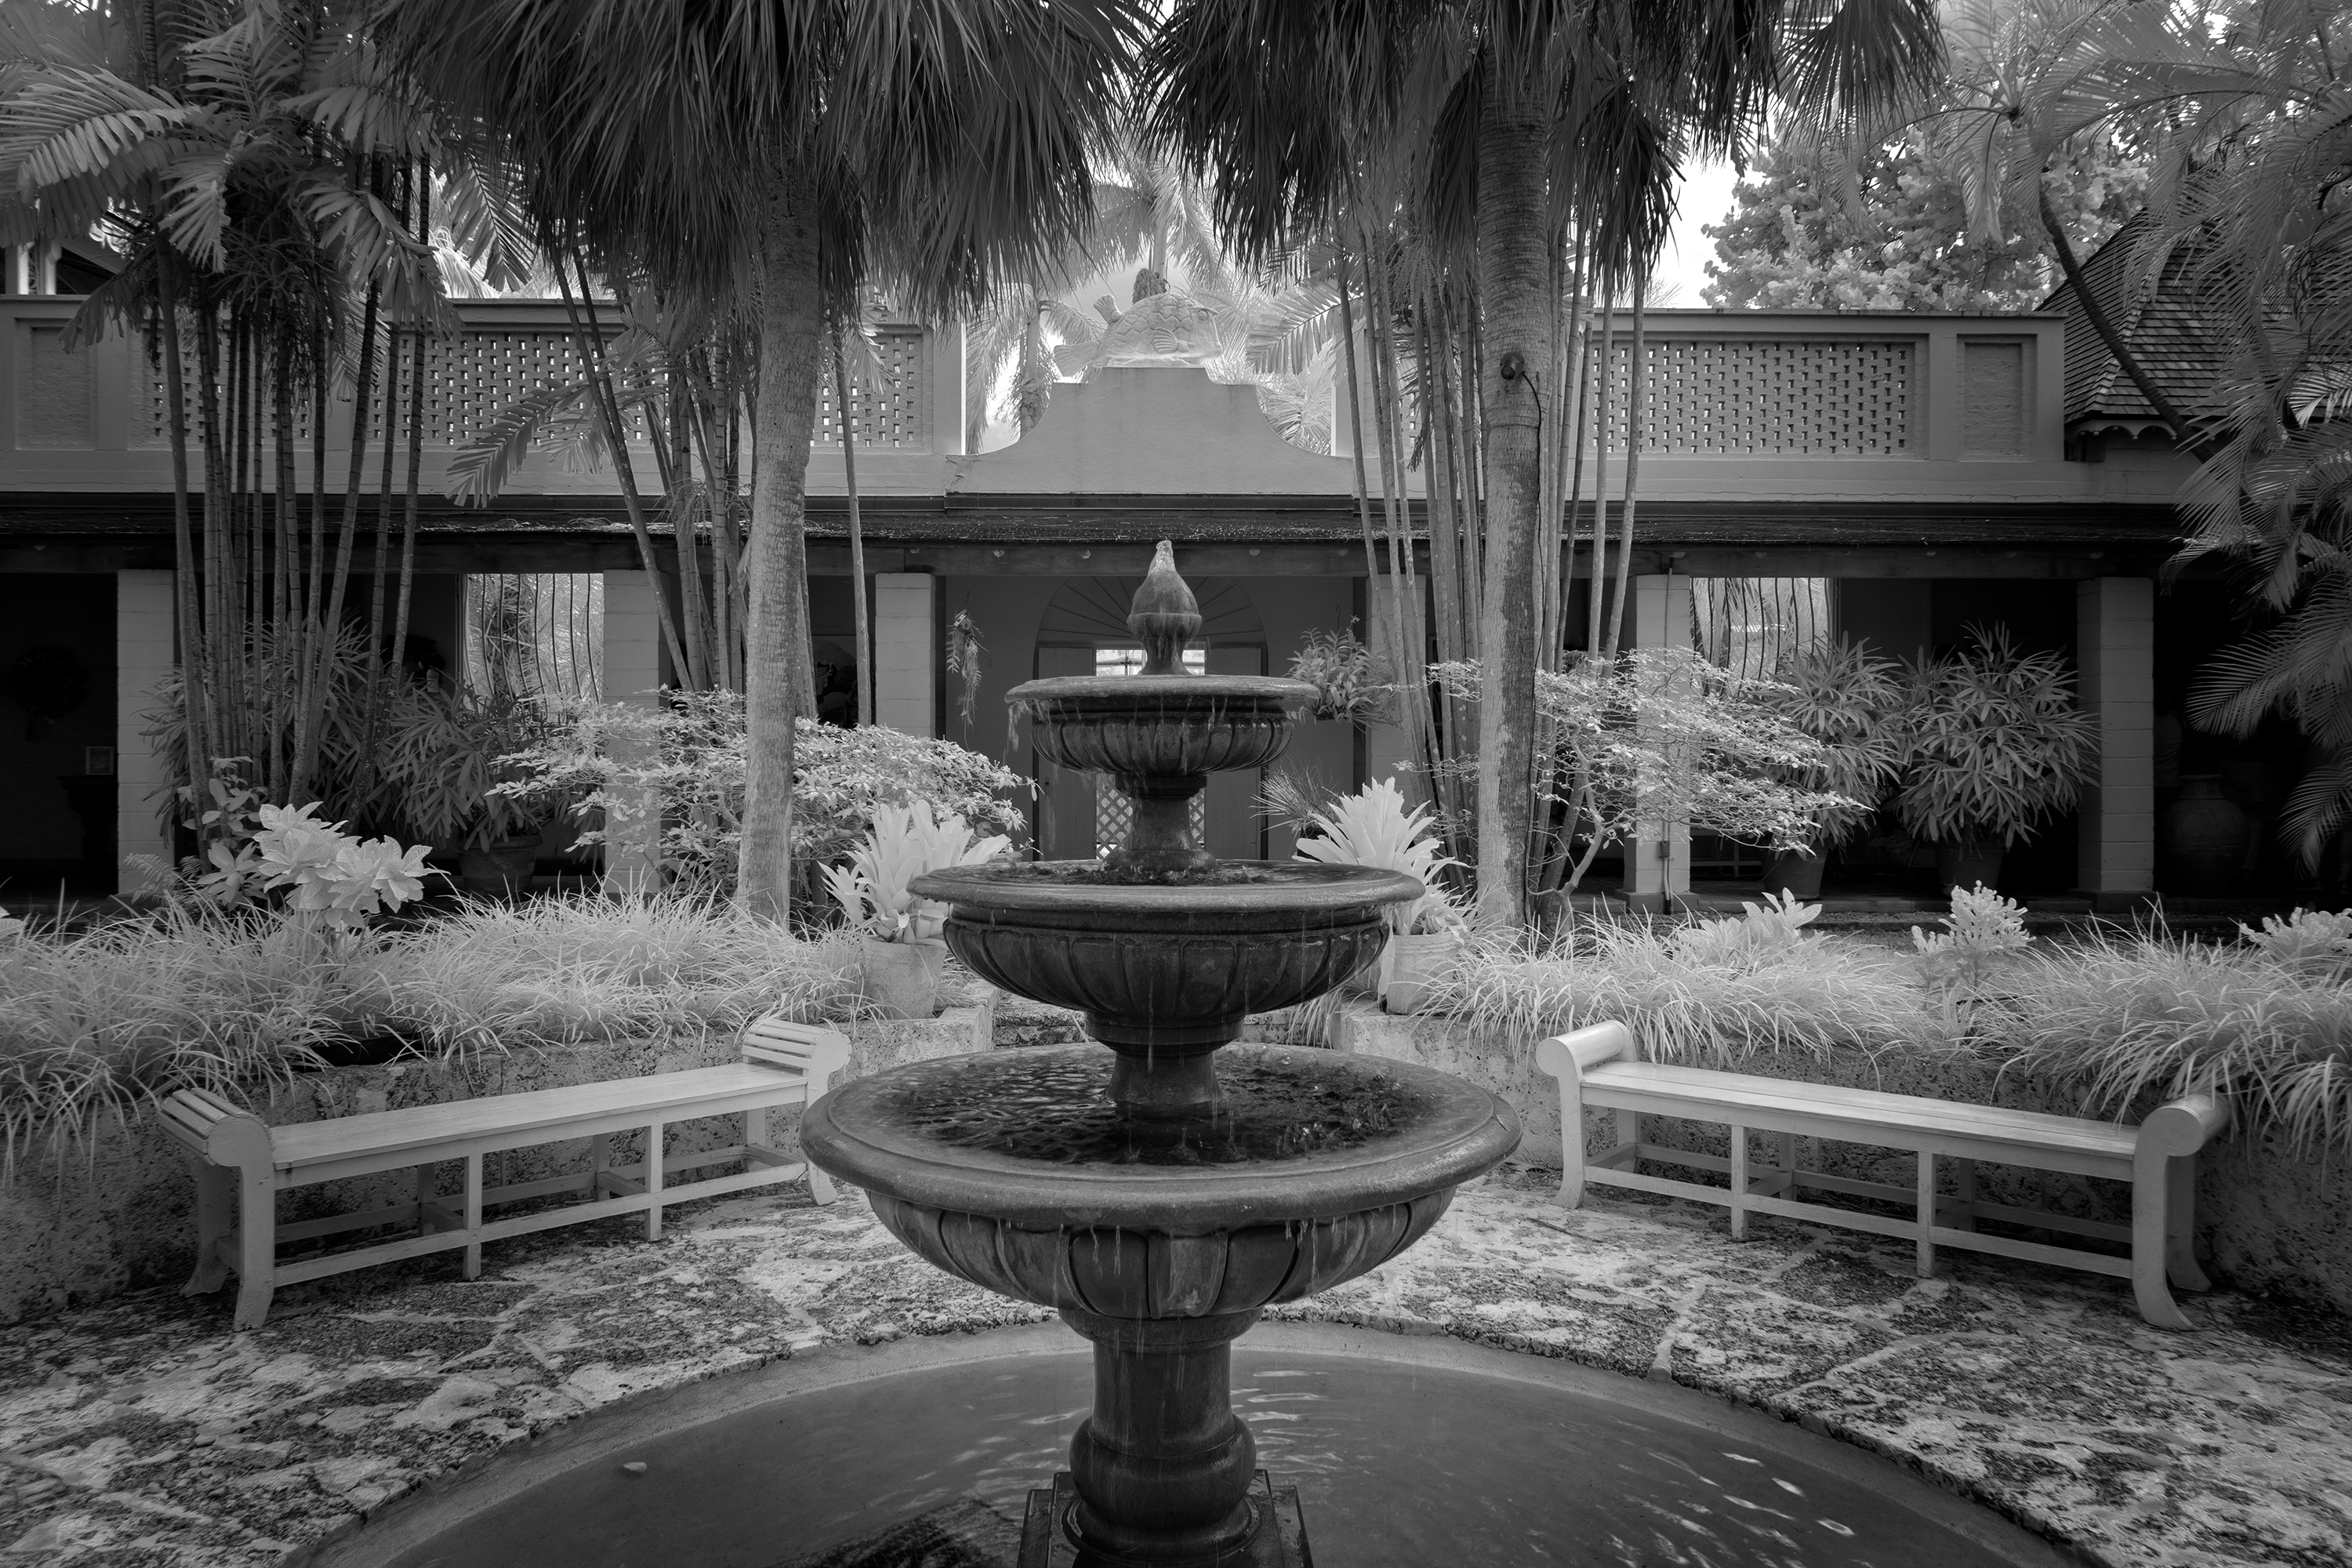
(1512, 269)
(1635, 379)
(856, 531)
(320, 674)
(779, 687)
(192, 693)
(398, 656)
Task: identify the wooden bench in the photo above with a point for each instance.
(242, 1164)
(1596, 1071)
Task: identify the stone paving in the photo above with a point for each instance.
(144, 1432)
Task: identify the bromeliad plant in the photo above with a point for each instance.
(905, 842)
(1996, 744)
(1372, 827)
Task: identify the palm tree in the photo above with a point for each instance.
(1497, 126)
(784, 155)
(242, 156)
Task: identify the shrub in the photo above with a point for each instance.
(1350, 681)
(619, 763)
(1850, 703)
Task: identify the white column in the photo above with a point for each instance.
(143, 656)
(905, 652)
(632, 674)
(2115, 638)
(1658, 860)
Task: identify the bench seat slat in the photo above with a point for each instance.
(374, 1134)
(1875, 1116)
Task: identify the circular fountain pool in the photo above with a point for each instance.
(1406, 1452)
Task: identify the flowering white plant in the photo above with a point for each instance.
(329, 873)
(905, 842)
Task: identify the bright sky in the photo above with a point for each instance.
(1706, 198)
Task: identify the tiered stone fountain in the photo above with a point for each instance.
(1163, 1193)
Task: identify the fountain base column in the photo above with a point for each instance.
(1162, 1473)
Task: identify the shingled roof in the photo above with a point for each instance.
(2178, 346)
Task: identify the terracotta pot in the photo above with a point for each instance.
(1964, 863)
(1408, 966)
(2204, 839)
(903, 977)
(1796, 874)
(499, 870)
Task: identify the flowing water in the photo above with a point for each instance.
(1397, 1465)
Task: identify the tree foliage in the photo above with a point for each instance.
(1809, 230)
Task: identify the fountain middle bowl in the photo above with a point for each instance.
(1015, 1169)
(1167, 969)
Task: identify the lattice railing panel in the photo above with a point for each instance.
(473, 378)
(892, 409)
(1769, 398)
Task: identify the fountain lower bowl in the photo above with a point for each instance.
(1167, 969)
(1083, 1213)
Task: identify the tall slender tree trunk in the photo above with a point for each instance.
(865, 623)
(1513, 267)
(192, 693)
(779, 683)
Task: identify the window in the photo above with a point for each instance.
(1130, 660)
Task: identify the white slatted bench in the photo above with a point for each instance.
(242, 1164)
(1595, 1070)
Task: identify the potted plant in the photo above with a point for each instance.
(1372, 827)
(901, 951)
(1995, 744)
(1851, 701)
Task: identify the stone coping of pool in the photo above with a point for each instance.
(142, 1431)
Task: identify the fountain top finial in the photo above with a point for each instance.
(1165, 615)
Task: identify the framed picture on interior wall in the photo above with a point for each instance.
(97, 759)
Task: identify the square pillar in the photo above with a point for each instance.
(632, 675)
(2114, 636)
(905, 652)
(1658, 860)
(145, 652)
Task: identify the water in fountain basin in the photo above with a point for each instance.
(1055, 1108)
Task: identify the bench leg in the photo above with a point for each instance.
(1785, 1148)
(1966, 1169)
(472, 1266)
(1927, 1200)
(654, 1181)
(256, 1247)
(215, 1221)
(600, 1159)
(2151, 1240)
(1739, 1184)
(2181, 1224)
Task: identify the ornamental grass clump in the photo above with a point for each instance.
(2136, 1017)
(94, 1028)
(1713, 994)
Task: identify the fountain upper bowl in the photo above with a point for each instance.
(1168, 727)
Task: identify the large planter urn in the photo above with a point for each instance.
(1410, 963)
(1964, 863)
(902, 978)
(2204, 839)
(1796, 873)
